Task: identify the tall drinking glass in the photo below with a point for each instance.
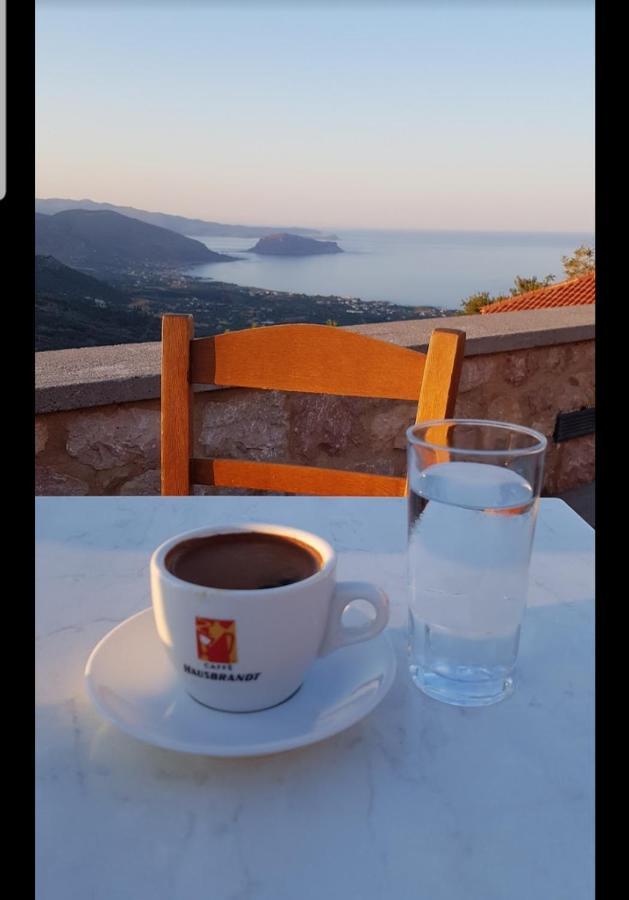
(474, 489)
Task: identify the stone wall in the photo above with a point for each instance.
(114, 448)
(530, 387)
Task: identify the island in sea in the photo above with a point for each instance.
(285, 244)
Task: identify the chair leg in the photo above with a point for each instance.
(176, 405)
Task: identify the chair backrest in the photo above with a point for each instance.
(316, 359)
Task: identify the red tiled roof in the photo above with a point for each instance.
(576, 292)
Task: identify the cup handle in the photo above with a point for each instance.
(339, 635)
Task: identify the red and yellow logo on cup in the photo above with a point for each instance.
(216, 640)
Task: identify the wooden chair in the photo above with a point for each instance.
(316, 359)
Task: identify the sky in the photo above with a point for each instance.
(450, 115)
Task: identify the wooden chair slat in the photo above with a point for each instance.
(315, 359)
(263, 476)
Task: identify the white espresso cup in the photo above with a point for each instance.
(249, 647)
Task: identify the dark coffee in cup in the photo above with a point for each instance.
(243, 611)
(242, 561)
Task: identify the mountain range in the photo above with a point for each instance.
(100, 241)
(76, 310)
(180, 224)
(54, 279)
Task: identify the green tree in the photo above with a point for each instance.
(523, 285)
(331, 322)
(474, 303)
(581, 263)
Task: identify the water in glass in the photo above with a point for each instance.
(470, 535)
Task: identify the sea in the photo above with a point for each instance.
(413, 268)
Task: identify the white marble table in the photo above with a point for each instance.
(419, 801)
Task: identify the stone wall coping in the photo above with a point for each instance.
(123, 373)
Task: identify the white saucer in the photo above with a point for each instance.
(132, 684)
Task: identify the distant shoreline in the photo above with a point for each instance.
(408, 268)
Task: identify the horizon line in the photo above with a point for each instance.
(392, 228)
